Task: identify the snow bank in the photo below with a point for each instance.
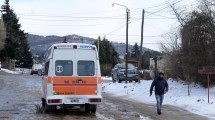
(16, 71)
(177, 96)
(10, 71)
(106, 78)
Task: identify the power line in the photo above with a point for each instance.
(69, 25)
(156, 6)
(67, 16)
(52, 33)
(78, 13)
(154, 27)
(69, 19)
(160, 5)
(136, 35)
(116, 29)
(163, 8)
(158, 11)
(120, 27)
(143, 43)
(158, 15)
(160, 18)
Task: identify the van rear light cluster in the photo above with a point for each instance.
(54, 101)
(95, 100)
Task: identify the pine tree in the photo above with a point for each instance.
(25, 56)
(135, 52)
(16, 45)
(65, 40)
(107, 53)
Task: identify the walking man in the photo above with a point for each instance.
(161, 87)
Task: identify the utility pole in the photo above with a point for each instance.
(176, 42)
(141, 46)
(98, 45)
(126, 53)
(156, 66)
(126, 62)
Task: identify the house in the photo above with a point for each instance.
(157, 64)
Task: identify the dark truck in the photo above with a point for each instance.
(118, 73)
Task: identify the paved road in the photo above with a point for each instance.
(20, 96)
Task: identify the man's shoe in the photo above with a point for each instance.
(159, 113)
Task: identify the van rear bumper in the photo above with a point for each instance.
(73, 99)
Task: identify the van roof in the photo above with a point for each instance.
(71, 44)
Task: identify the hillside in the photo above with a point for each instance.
(42, 43)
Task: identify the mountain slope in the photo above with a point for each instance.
(42, 43)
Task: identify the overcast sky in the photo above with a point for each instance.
(92, 18)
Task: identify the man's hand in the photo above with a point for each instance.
(165, 91)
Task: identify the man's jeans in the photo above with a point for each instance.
(159, 99)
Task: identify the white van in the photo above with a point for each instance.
(72, 78)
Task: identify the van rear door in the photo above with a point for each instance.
(75, 72)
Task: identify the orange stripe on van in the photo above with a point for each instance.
(75, 90)
(74, 85)
(70, 79)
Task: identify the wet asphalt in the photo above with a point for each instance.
(20, 99)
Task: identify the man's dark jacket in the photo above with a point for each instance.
(160, 85)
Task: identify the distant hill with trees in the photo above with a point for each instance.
(40, 43)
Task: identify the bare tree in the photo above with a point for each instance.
(197, 37)
(171, 47)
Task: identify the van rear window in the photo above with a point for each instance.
(86, 68)
(63, 68)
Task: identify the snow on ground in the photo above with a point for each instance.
(10, 71)
(197, 102)
(106, 78)
(16, 71)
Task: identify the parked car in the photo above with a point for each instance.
(36, 69)
(118, 73)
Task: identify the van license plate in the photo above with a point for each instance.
(74, 100)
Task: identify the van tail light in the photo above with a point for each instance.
(54, 101)
(95, 100)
